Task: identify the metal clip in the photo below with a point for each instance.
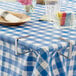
(16, 45)
(70, 49)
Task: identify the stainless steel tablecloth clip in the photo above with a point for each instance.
(16, 45)
(70, 49)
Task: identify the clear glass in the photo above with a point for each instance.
(30, 8)
(74, 19)
(52, 7)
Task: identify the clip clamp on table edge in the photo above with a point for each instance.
(70, 49)
(16, 45)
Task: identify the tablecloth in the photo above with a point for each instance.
(42, 46)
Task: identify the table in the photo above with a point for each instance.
(42, 46)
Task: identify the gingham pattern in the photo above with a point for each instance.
(44, 41)
(12, 65)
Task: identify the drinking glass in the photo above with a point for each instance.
(52, 7)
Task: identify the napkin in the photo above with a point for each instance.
(8, 16)
(65, 18)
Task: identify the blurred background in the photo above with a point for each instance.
(38, 1)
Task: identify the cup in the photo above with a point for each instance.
(52, 7)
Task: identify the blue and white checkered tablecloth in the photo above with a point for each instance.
(44, 44)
